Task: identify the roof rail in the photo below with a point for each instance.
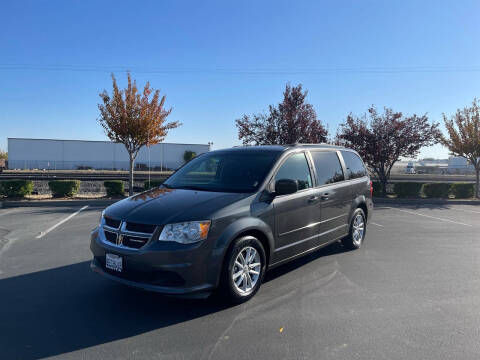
(313, 144)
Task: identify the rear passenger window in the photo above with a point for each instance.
(296, 168)
(354, 165)
(328, 167)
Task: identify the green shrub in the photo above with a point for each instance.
(114, 187)
(189, 155)
(64, 188)
(407, 189)
(436, 190)
(463, 190)
(152, 184)
(377, 188)
(16, 188)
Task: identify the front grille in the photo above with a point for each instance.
(130, 235)
(112, 222)
(143, 228)
(134, 241)
(110, 236)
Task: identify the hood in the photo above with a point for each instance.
(162, 206)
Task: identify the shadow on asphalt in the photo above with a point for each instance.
(69, 308)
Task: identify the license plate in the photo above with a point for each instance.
(113, 262)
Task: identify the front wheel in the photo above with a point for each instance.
(358, 228)
(244, 269)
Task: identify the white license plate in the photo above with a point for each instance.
(113, 262)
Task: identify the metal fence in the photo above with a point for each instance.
(90, 165)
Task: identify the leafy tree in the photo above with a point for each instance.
(463, 139)
(189, 155)
(134, 119)
(384, 138)
(291, 121)
(3, 155)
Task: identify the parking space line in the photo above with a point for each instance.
(428, 216)
(375, 224)
(43, 233)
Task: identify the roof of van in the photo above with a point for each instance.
(281, 148)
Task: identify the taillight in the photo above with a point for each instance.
(371, 188)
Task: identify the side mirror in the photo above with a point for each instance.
(286, 186)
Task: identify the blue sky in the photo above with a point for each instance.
(217, 60)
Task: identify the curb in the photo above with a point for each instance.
(426, 201)
(40, 203)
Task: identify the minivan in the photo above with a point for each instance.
(227, 216)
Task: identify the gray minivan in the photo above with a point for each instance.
(227, 216)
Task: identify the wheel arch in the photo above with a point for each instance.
(245, 227)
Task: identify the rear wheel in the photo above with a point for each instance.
(358, 228)
(244, 269)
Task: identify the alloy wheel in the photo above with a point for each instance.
(246, 270)
(358, 229)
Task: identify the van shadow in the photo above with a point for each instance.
(69, 308)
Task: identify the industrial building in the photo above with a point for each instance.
(83, 154)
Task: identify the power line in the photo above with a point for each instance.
(242, 71)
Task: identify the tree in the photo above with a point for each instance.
(384, 138)
(291, 121)
(463, 139)
(189, 155)
(134, 119)
(3, 155)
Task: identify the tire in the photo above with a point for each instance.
(357, 232)
(247, 281)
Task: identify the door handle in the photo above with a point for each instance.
(313, 199)
(324, 196)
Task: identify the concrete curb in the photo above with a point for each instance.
(50, 203)
(426, 201)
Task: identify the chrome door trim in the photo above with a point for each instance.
(310, 237)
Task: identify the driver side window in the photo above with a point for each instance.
(296, 168)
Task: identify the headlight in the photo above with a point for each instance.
(185, 233)
(101, 217)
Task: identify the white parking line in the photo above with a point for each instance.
(428, 216)
(376, 224)
(43, 233)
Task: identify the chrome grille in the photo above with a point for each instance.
(125, 236)
(142, 228)
(112, 222)
(111, 236)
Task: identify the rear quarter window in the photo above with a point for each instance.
(328, 167)
(353, 163)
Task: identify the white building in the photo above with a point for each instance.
(459, 165)
(82, 154)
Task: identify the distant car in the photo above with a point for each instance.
(227, 216)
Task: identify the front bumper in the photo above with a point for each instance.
(169, 268)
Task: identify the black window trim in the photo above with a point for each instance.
(342, 164)
(281, 161)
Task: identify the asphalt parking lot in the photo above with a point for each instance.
(412, 292)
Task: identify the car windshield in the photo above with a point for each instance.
(229, 171)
